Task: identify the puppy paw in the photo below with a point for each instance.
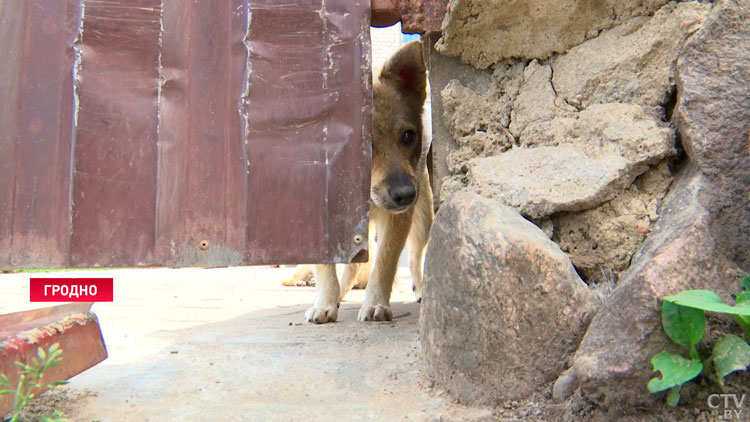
(303, 276)
(322, 315)
(375, 313)
(300, 281)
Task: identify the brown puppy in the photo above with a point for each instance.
(400, 195)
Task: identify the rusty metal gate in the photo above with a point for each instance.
(179, 133)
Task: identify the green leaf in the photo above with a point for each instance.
(52, 364)
(743, 300)
(675, 370)
(744, 323)
(685, 326)
(674, 395)
(706, 300)
(731, 353)
(54, 384)
(745, 282)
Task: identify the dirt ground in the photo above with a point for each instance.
(230, 344)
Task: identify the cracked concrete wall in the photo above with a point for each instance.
(579, 142)
(484, 32)
(573, 128)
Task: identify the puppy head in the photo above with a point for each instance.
(398, 98)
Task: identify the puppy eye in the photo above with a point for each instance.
(408, 137)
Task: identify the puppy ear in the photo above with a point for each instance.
(406, 70)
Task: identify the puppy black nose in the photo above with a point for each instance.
(403, 195)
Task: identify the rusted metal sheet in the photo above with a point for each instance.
(36, 121)
(203, 169)
(72, 326)
(416, 16)
(154, 132)
(116, 135)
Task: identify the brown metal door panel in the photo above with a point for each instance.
(280, 167)
(12, 20)
(196, 132)
(114, 179)
(352, 85)
(36, 110)
(202, 166)
(288, 67)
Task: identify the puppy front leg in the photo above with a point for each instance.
(326, 308)
(392, 232)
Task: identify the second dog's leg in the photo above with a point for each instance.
(363, 275)
(301, 277)
(326, 308)
(348, 279)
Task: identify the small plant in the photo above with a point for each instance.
(684, 320)
(30, 378)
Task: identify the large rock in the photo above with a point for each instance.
(713, 119)
(703, 235)
(502, 306)
(631, 63)
(597, 156)
(612, 363)
(484, 32)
